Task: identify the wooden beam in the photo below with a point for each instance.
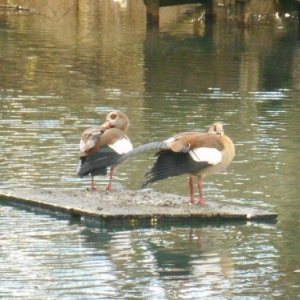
(163, 3)
(152, 11)
(240, 11)
(210, 11)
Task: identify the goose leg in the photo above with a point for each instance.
(201, 200)
(191, 184)
(93, 184)
(111, 173)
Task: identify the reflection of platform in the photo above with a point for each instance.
(128, 206)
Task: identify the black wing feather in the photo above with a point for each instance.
(97, 163)
(141, 149)
(170, 164)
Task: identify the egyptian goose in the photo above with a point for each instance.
(196, 154)
(101, 147)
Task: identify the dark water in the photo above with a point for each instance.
(64, 66)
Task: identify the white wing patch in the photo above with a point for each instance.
(81, 145)
(210, 155)
(177, 147)
(121, 146)
(169, 141)
(87, 145)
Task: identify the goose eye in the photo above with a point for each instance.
(113, 116)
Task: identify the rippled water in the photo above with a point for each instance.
(68, 260)
(64, 67)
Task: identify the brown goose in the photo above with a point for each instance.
(193, 153)
(102, 146)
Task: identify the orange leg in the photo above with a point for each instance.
(201, 200)
(191, 184)
(93, 184)
(111, 173)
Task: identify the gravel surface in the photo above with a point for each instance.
(121, 205)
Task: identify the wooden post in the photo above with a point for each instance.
(210, 11)
(240, 11)
(152, 10)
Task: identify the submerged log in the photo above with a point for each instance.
(127, 206)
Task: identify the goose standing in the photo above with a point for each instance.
(102, 146)
(193, 153)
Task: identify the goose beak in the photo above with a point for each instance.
(106, 125)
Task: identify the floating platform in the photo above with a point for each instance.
(144, 206)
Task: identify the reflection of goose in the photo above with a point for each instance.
(193, 153)
(212, 263)
(193, 254)
(169, 259)
(101, 147)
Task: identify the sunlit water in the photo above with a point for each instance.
(59, 78)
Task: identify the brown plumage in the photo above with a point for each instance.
(102, 146)
(193, 153)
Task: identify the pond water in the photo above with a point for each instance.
(64, 66)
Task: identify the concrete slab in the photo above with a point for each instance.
(129, 206)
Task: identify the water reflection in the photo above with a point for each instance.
(160, 263)
(65, 65)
